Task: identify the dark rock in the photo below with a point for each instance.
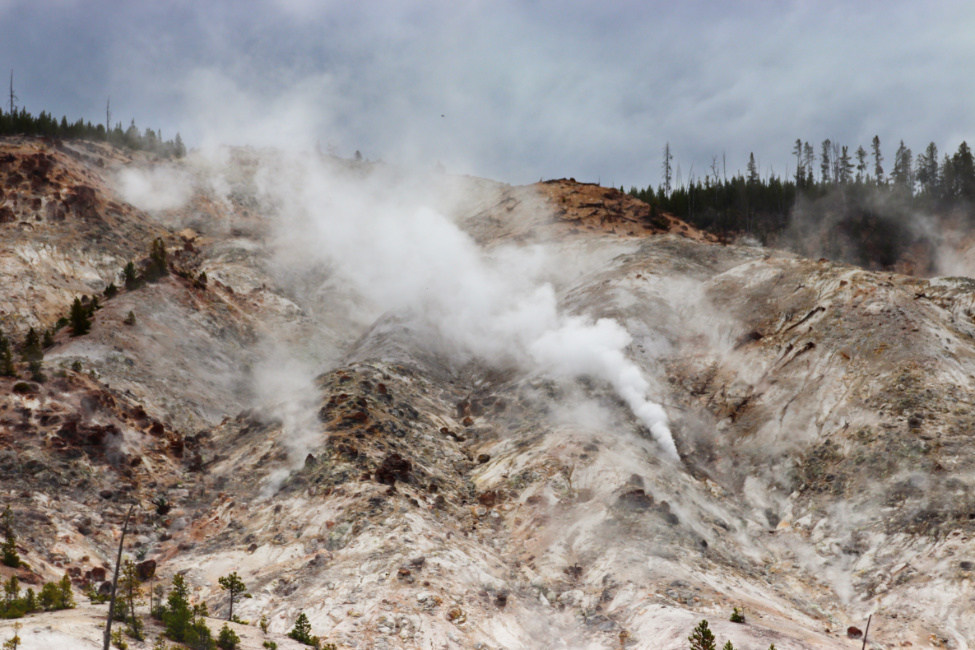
(394, 468)
(488, 499)
(105, 589)
(145, 570)
(966, 565)
(635, 500)
(854, 632)
(483, 458)
(106, 494)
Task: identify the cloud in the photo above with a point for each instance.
(527, 89)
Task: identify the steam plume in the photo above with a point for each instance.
(378, 234)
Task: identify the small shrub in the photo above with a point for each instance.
(263, 623)
(14, 642)
(271, 645)
(93, 306)
(110, 291)
(227, 639)
(95, 597)
(23, 387)
(728, 646)
(118, 640)
(737, 615)
(130, 318)
(76, 365)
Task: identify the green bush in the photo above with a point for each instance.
(737, 615)
(227, 639)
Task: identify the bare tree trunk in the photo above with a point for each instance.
(118, 564)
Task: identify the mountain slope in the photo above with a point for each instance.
(356, 411)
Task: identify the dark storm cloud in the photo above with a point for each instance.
(527, 89)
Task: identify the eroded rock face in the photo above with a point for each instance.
(403, 496)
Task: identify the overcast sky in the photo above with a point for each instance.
(514, 91)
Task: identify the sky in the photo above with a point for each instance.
(511, 90)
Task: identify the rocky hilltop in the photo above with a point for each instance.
(432, 411)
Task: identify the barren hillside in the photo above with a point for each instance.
(440, 412)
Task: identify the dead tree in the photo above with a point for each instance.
(118, 564)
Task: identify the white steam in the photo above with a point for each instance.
(377, 234)
(380, 239)
(154, 190)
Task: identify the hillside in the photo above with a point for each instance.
(433, 411)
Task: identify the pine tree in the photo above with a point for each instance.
(702, 638)
(800, 171)
(825, 164)
(80, 323)
(130, 277)
(301, 632)
(178, 617)
(65, 596)
(11, 591)
(8, 550)
(903, 168)
(753, 177)
(845, 166)
(963, 166)
(861, 155)
(157, 267)
(131, 588)
(32, 346)
(878, 169)
(236, 588)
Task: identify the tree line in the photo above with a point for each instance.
(764, 205)
(22, 122)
